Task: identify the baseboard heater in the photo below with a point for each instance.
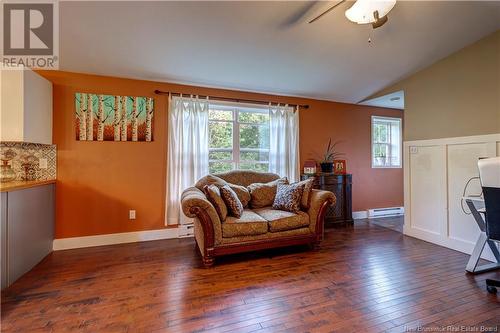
(382, 212)
(186, 230)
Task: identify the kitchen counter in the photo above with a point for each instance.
(23, 184)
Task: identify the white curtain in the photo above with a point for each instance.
(284, 142)
(187, 151)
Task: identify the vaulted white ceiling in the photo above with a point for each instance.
(266, 46)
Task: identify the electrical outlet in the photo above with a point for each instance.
(413, 150)
(42, 163)
(131, 214)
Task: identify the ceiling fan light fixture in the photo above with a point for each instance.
(369, 11)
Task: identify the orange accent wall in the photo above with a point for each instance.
(97, 183)
(372, 188)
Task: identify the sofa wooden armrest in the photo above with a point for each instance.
(196, 205)
(320, 201)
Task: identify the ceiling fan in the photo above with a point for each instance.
(372, 12)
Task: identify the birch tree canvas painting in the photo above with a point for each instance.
(113, 118)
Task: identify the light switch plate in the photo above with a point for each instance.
(131, 214)
(42, 163)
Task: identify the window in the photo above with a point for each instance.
(386, 142)
(238, 137)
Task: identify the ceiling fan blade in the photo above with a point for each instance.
(301, 15)
(327, 11)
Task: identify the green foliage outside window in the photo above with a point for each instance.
(220, 134)
(253, 137)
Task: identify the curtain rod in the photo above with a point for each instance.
(229, 99)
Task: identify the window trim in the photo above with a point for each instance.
(374, 118)
(236, 108)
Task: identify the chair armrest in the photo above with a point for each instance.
(196, 205)
(320, 201)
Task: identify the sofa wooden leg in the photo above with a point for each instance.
(208, 261)
(316, 246)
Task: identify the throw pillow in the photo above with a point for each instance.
(241, 191)
(234, 204)
(262, 194)
(305, 203)
(288, 197)
(214, 196)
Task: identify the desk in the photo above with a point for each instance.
(476, 206)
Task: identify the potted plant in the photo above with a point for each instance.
(330, 154)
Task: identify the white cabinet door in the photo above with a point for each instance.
(26, 107)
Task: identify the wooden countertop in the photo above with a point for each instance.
(23, 184)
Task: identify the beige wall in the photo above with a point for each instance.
(457, 96)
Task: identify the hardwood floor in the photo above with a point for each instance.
(393, 222)
(363, 279)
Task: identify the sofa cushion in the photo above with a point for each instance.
(213, 195)
(305, 202)
(262, 194)
(288, 197)
(234, 206)
(249, 224)
(241, 191)
(280, 220)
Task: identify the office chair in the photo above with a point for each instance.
(489, 172)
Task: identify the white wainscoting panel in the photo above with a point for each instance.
(462, 166)
(435, 174)
(427, 165)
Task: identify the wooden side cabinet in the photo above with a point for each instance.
(341, 186)
(27, 227)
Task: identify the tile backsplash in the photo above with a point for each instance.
(32, 153)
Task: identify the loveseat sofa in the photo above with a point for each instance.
(258, 228)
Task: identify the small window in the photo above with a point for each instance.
(238, 137)
(386, 142)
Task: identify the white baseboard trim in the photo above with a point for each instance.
(110, 239)
(360, 215)
(363, 214)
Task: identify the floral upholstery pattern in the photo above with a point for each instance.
(280, 220)
(263, 194)
(288, 197)
(268, 235)
(209, 180)
(249, 224)
(193, 197)
(214, 196)
(247, 177)
(232, 202)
